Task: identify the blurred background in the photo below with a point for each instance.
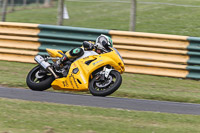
(155, 16)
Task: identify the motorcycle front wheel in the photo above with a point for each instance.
(38, 79)
(107, 87)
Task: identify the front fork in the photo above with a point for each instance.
(104, 74)
(107, 71)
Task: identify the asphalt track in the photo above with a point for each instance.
(105, 102)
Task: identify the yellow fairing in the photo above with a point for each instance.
(54, 52)
(80, 71)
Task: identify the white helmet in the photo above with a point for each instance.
(103, 42)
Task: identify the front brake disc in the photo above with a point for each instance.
(103, 84)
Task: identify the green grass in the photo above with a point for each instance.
(32, 117)
(159, 88)
(14, 74)
(153, 18)
(19, 116)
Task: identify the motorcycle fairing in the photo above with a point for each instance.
(81, 70)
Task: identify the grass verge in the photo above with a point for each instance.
(19, 116)
(13, 74)
(152, 17)
(177, 17)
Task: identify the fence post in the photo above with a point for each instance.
(1, 3)
(60, 12)
(47, 3)
(133, 15)
(12, 2)
(52, 2)
(4, 10)
(37, 3)
(24, 3)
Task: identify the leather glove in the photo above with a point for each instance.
(88, 46)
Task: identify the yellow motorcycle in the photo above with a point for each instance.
(100, 73)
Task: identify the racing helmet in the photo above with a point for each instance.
(103, 42)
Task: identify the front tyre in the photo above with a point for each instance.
(106, 87)
(38, 79)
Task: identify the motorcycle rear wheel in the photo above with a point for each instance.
(39, 84)
(109, 89)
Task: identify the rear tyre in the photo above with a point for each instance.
(38, 79)
(107, 87)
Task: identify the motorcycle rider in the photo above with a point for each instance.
(101, 45)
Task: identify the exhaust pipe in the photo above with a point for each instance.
(40, 60)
